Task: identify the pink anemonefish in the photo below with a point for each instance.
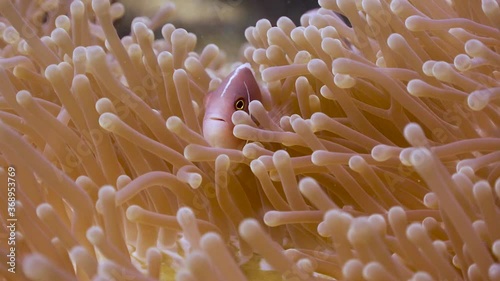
(235, 92)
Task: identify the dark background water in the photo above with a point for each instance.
(222, 22)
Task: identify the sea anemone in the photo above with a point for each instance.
(372, 155)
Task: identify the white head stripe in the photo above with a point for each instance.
(248, 99)
(248, 92)
(234, 75)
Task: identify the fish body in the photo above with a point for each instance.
(235, 92)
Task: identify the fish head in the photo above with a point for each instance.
(235, 93)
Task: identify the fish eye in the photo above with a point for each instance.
(239, 104)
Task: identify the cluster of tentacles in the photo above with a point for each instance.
(388, 168)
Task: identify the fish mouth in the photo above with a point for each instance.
(214, 118)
